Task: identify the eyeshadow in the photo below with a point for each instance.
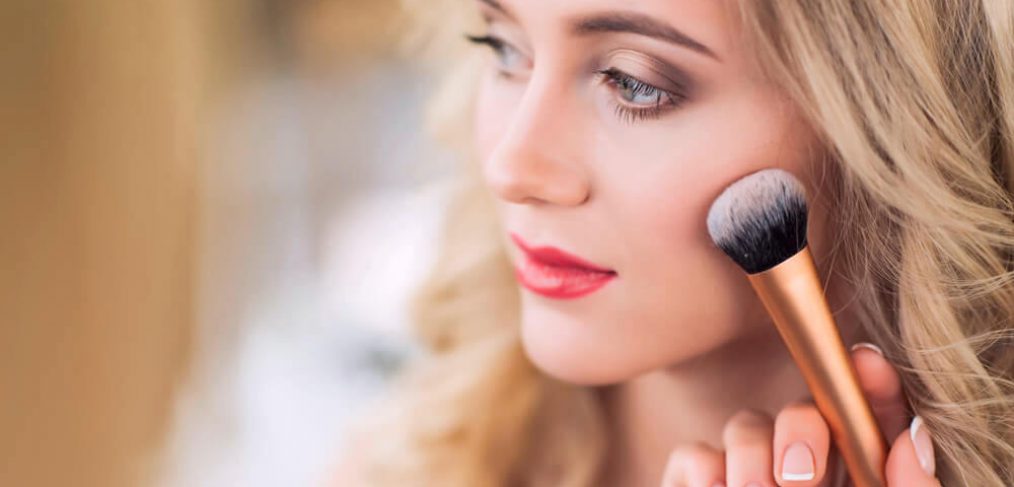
(662, 74)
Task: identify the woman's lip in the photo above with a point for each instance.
(555, 257)
(559, 282)
(554, 273)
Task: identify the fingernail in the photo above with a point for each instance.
(869, 346)
(797, 463)
(923, 445)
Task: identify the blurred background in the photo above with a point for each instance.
(212, 215)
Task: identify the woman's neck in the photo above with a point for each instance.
(650, 415)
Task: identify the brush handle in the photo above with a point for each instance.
(794, 297)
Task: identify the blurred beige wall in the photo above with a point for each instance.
(99, 133)
(104, 112)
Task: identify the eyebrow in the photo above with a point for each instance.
(626, 22)
(641, 24)
(496, 5)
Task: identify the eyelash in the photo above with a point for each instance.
(493, 42)
(616, 79)
(498, 45)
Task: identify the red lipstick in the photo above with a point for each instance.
(554, 273)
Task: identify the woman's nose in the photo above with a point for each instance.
(538, 157)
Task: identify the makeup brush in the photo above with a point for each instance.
(760, 222)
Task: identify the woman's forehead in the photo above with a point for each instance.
(711, 23)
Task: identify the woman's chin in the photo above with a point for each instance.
(574, 357)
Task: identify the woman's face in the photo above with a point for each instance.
(605, 129)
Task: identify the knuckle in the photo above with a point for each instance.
(690, 453)
(689, 463)
(746, 424)
(799, 410)
(748, 417)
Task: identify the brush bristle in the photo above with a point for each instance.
(760, 220)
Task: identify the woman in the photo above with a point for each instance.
(605, 129)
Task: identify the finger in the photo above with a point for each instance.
(801, 445)
(747, 438)
(904, 468)
(694, 465)
(882, 386)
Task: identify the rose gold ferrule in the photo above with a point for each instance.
(794, 297)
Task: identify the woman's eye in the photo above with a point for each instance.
(639, 100)
(508, 56)
(637, 92)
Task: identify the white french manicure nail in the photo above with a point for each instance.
(923, 445)
(797, 462)
(867, 345)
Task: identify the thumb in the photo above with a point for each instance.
(911, 462)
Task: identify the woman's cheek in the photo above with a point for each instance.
(676, 267)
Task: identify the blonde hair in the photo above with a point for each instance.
(914, 102)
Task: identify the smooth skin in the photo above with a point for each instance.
(755, 443)
(607, 128)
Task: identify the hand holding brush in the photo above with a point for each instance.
(760, 221)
